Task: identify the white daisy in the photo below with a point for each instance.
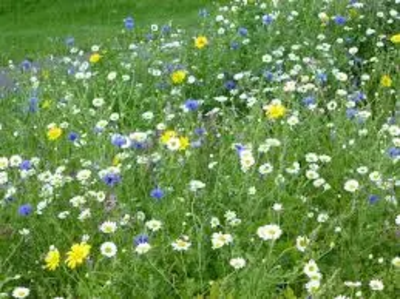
(108, 249)
(269, 232)
(20, 292)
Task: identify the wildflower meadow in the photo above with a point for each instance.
(255, 154)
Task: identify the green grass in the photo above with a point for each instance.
(36, 28)
(287, 175)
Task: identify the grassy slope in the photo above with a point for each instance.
(38, 27)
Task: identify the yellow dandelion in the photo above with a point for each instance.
(178, 77)
(275, 111)
(52, 259)
(184, 143)
(46, 104)
(353, 13)
(116, 160)
(77, 255)
(45, 74)
(200, 42)
(395, 39)
(386, 81)
(54, 133)
(167, 135)
(95, 58)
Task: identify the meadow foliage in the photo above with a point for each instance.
(253, 156)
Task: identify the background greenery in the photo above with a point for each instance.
(38, 27)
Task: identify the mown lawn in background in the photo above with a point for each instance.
(33, 28)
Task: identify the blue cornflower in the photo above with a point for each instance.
(230, 85)
(340, 20)
(69, 41)
(192, 105)
(25, 165)
(195, 143)
(118, 140)
(235, 45)
(200, 131)
(394, 152)
(268, 75)
(157, 193)
(358, 97)
(373, 199)
(322, 77)
(71, 71)
(129, 23)
(149, 36)
(25, 210)
(239, 148)
(165, 29)
(351, 113)
(33, 104)
(112, 179)
(203, 13)
(267, 19)
(141, 239)
(243, 31)
(308, 101)
(26, 65)
(73, 136)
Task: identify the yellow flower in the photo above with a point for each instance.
(45, 74)
(395, 39)
(178, 77)
(353, 13)
(386, 81)
(184, 143)
(200, 42)
(95, 57)
(167, 135)
(54, 133)
(52, 259)
(116, 160)
(46, 104)
(275, 111)
(77, 255)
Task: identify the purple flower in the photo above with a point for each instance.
(268, 75)
(358, 97)
(235, 45)
(119, 140)
(239, 148)
(373, 199)
(69, 41)
(33, 104)
(394, 152)
(73, 136)
(165, 29)
(25, 210)
(129, 23)
(351, 113)
(322, 77)
(203, 13)
(25, 165)
(267, 19)
(308, 101)
(141, 239)
(200, 131)
(230, 85)
(340, 20)
(192, 105)
(157, 193)
(243, 31)
(112, 179)
(26, 65)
